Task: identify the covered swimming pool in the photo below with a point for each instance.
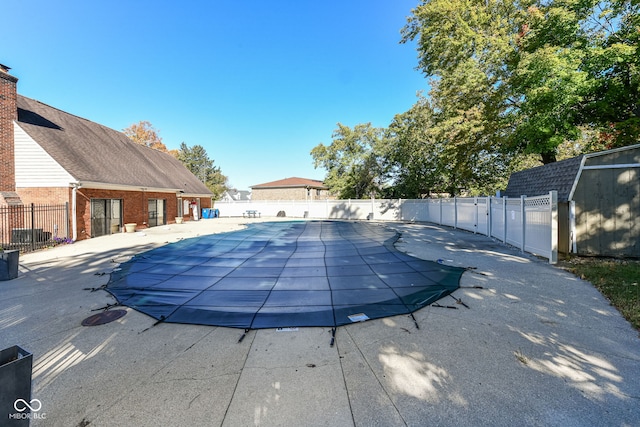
(282, 274)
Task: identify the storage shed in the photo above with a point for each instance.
(598, 200)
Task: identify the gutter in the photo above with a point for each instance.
(125, 187)
(180, 192)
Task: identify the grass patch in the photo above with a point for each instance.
(618, 280)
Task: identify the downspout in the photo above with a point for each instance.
(74, 210)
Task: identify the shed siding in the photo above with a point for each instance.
(608, 207)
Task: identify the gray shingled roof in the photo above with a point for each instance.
(92, 152)
(558, 176)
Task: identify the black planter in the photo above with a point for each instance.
(9, 261)
(15, 386)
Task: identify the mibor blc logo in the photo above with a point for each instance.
(22, 406)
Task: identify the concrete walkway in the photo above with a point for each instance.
(536, 346)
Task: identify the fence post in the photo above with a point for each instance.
(489, 220)
(523, 221)
(475, 227)
(4, 216)
(66, 220)
(455, 212)
(553, 196)
(504, 220)
(33, 225)
(373, 205)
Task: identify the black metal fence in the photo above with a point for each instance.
(32, 227)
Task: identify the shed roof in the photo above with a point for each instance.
(293, 182)
(562, 176)
(91, 152)
(558, 176)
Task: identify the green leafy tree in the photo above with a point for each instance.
(467, 49)
(352, 161)
(197, 160)
(614, 64)
(464, 47)
(467, 129)
(548, 79)
(515, 83)
(412, 155)
(578, 70)
(536, 74)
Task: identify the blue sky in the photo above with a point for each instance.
(257, 83)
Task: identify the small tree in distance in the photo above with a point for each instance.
(198, 162)
(193, 158)
(144, 133)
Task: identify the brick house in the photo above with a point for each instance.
(291, 189)
(49, 156)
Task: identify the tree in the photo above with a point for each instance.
(412, 155)
(614, 64)
(467, 129)
(549, 77)
(354, 168)
(513, 83)
(144, 133)
(535, 74)
(198, 162)
(466, 48)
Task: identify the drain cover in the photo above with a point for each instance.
(104, 317)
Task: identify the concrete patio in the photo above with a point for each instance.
(536, 346)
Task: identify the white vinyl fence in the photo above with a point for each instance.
(529, 223)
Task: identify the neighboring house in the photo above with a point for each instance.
(598, 200)
(234, 195)
(52, 157)
(291, 189)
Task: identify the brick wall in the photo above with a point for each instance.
(288, 193)
(135, 204)
(278, 194)
(134, 207)
(45, 196)
(8, 113)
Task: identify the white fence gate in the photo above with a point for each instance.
(529, 223)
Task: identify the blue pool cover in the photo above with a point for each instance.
(282, 274)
